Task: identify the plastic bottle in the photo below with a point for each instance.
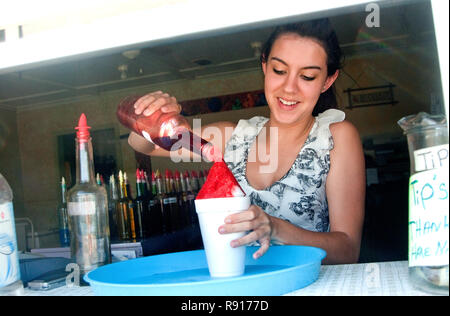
(10, 283)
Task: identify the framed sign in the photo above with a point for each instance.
(371, 96)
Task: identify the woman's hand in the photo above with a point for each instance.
(152, 102)
(254, 220)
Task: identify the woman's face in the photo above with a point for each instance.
(295, 76)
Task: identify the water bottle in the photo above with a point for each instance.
(10, 283)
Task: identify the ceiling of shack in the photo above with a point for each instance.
(404, 26)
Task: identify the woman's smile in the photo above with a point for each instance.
(287, 104)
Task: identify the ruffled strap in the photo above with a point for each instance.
(322, 133)
(250, 128)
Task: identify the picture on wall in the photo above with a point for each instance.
(222, 103)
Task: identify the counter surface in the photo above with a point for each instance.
(362, 279)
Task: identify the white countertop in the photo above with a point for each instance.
(363, 279)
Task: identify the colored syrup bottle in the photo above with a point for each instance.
(113, 198)
(87, 207)
(170, 131)
(140, 206)
(171, 202)
(186, 204)
(191, 198)
(127, 205)
(161, 199)
(63, 218)
(155, 208)
(182, 199)
(122, 212)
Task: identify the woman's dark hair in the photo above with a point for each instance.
(321, 31)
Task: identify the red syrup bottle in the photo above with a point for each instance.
(170, 131)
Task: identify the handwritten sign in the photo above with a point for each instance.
(431, 158)
(428, 208)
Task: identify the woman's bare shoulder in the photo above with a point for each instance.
(341, 131)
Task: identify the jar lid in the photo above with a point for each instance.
(422, 121)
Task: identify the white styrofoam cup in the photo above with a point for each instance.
(223, 260)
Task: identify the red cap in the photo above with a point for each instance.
(83, 134)
(138, 175)
(168, 173)
(194, 174)
(153, 176)
(186, 174)
(177, 174)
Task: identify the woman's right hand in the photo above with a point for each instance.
(153, 101)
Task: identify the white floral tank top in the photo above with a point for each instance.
(299, 197)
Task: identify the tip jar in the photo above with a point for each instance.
(428, 232)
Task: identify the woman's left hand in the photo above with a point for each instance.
(254, 220)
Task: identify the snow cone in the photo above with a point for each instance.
(219, 197)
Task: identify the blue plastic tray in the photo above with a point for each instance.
(281, 270)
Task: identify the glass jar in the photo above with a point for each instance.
(428, 231)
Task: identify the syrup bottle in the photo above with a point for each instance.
(190, 198)
(140, 205)
(170, 131)
(113, 198)
(171, 202)
(156, 217)
(161, 196)
(64, 234)
(128, 205)
(182, 199)
(87, 207)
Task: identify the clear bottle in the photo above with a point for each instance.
(10, 283)
(170, 131)
(87, 209)
(428, 258)
(63, 218)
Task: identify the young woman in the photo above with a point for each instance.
(311, 189)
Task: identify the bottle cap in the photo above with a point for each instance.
(138, 175)
(83, 134)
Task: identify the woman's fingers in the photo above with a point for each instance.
(247, 215)
(265, 244)
(143, 102)
(152, 102)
